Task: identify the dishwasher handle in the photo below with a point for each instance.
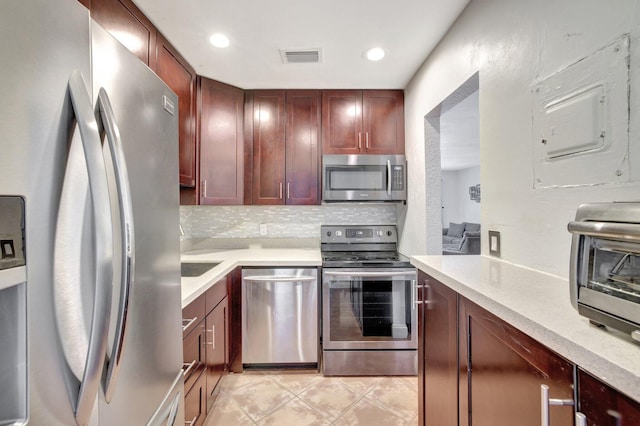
(278, 278)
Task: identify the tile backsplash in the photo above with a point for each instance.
(279, 221)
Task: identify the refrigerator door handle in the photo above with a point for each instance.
(99, 192)
(107, 122)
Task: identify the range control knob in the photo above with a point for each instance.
(389, 233)
(379, 233)
(328, 233)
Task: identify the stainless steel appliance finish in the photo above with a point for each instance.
(103, 290)
(369, 319)
(364, 178)
(13, 313)
(280, 317)
(605, 265)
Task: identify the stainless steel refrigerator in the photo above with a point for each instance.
(90, 312)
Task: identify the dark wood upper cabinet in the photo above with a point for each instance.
(501, 373)
(603, 405)
(286, 157)
(437, 353)
(302, 147)
(362, 122)
(221, 142)
(383, 121)
(341, 121)
(268, 147)
(176, 72)
(127, 24)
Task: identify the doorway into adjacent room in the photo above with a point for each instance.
(452, 136)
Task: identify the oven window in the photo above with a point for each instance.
(615, 269)
(362, 309)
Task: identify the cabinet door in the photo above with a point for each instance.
(437, 353)
(221, 143)
(603, 405)
(302, 149)
(342, 122)
(504, 372)
(383, 121)
(181, 78)
(128, 25)
(268, 147)
(216, 353)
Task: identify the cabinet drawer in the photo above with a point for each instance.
(195, 400)
(193, 354)
(192, 314)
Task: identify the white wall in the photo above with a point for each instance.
(456, 205)
(512, 44)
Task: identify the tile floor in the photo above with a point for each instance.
(301, 398)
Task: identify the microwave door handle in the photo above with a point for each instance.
(106, 117)
(389, 177)
(621, 231)
(99, 191)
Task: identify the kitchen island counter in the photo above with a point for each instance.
(538, 304)
(194, 287)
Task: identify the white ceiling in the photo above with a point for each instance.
(406, 29)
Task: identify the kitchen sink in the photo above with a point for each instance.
(196, 269)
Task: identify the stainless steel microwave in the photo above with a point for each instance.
(364, 178)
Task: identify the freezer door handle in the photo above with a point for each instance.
(126, 252)
(99, 192)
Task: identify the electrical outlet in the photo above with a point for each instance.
(263, 229)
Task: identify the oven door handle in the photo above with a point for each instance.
(621, 231)
(366, 273)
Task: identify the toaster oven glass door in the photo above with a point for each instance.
(614, 269)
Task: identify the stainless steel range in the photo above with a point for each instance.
(369, 320)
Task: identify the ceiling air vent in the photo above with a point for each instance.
(300, 56)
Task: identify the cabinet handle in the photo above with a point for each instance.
(203, 189)
(359, 140)
(546, 402)
(187, 371)
(280, 191)
(213, 336)
(366, 138)
(581, 419)
(192, 422)
(288, 191)
(616, 415)
(189, 322)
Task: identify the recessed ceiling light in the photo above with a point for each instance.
(219, 40)
(375, 54)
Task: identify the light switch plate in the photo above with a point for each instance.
(494, 243)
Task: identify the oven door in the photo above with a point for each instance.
(369, 308)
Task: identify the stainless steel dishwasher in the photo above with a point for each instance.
(280, 317)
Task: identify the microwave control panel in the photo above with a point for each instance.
(397, 178)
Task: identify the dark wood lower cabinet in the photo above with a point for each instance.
(195, 403)
(437, 353)
(505, 370)
(603, 405)
(216, 353)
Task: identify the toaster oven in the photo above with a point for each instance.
(605, 265)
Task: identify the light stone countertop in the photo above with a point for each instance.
(194, 287)
(538, 304)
